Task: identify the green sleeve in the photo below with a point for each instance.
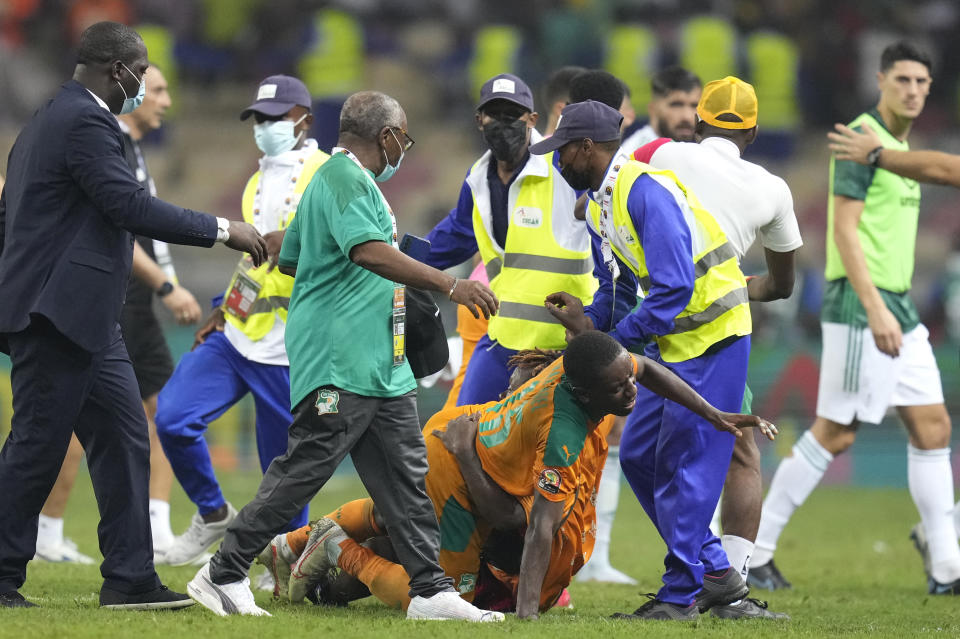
(851, 179)
(362, 218)
(290, 249)
(568, 431)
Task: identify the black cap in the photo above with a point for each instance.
(506, 86)
(589, 119)
(277, 95)
(427, 349)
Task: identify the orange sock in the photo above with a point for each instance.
(356, 519)
(297, 539)
(386, 580)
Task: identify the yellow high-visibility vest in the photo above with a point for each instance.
(547, 250)
(273, 300)
(719, 307)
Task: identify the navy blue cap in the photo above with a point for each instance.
(589, 119)
(506, 86)
(277, 95)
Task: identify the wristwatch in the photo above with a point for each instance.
(165, 289)
(873, 157)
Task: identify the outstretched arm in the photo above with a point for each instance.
(925, 166)
(664, 382)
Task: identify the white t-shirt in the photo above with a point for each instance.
(276, 186)
(638, 138)
(744, 198)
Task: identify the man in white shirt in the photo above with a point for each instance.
(672, 111)
(240, 349)
(747, 201)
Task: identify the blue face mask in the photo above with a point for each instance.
(389, 169)
(276, 137)
(130, 104)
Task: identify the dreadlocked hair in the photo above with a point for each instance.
(534, 360)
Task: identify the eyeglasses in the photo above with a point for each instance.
(408, 141)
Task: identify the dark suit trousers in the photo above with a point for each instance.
(59, 388)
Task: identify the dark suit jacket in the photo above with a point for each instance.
(67, 213)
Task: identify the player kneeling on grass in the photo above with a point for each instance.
(535, 461)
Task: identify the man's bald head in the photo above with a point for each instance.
(104, 42)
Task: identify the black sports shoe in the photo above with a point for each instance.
(767, 577)
(660, 611)
(934, 587)
(14, 599)
(747, 609)
(721, 589)
(161, 598)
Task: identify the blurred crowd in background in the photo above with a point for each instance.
(813, 63)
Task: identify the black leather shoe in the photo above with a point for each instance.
(161, 598)
(14, 599)
(767, 577)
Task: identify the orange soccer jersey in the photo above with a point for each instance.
(533, 440)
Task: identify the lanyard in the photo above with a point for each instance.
(605, 225)
(399, 290)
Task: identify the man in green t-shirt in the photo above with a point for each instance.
(876, 353)
(351, 387)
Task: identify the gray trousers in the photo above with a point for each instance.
(384, 439)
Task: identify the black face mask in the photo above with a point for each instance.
(505, 139)
(577, 181)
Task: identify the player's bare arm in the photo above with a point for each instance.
(777, 282)
(489, 501)
(665, 382)
(934, 167)
(545, 518)
(884, 326)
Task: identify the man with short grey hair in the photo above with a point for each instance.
(351, 386)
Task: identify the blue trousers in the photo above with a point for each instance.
(487, 375)
(676, 463)
(207, 381)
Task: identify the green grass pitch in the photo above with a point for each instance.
(854, 571)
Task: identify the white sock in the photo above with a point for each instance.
(284, 550)
(160, 523)
(49, 531)
(931, 485)
(738, 552)
(795, 479)
(956, 518)
(608, 496)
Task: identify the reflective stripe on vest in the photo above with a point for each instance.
(548, 250)
(718, 307)
(273, 300)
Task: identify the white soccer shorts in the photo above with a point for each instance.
(858, 382)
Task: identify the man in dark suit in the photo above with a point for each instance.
(67, 213)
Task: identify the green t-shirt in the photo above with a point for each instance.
(891, 209)
(841, 305)
(339, 326)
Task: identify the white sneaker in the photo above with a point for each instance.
(604, 574)
(63, 552)
(189, 546)
(448, 605)
(229, 599)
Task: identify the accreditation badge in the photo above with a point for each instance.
(399, 324)
(240, 298)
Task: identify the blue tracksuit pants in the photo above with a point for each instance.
(207, 381)
(676, 463)
(487, 374)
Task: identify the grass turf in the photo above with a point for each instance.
(853, 569)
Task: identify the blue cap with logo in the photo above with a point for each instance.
(589, 119)
(277, 95)
(506, 86)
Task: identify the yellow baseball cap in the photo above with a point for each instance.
(728, 96)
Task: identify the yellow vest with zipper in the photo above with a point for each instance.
(273, 300)
(547, 250)
(719, 307)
